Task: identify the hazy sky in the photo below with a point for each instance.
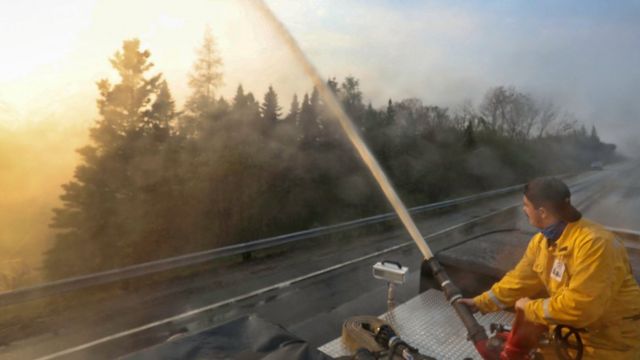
(583, 54)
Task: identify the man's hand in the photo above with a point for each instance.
(522, 303)
(470, 303)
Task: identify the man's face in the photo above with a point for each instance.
(534, 215)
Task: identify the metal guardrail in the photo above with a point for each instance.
(630, 238)
(624, 232)
(178, 320)
(79, 282)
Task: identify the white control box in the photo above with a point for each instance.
(390, 271)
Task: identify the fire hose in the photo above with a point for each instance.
(370, 336)
(359, 332)
(476, 332)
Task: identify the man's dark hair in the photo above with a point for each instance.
(554, 195)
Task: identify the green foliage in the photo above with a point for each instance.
(270, 109)
(294, 110)
(205, 78)
(156, 183)
(126, 169)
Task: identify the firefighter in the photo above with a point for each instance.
(582, 269)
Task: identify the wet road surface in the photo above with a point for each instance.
(313, 309)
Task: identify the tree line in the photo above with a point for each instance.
(157, 181)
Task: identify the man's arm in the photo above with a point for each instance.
(520, 282)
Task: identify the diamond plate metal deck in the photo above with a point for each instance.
(430, 324)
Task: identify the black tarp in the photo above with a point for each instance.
(248, 338)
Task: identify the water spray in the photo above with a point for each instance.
(347, 125)
(476, 332)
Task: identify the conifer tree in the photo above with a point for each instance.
(205, 77)
(270, 109)
(308, 123)
(239, 100)
(390, 114)
(294, 110)
(98, 222)
(314, 101)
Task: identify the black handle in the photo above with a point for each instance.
(392, 262)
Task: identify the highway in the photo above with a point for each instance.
(620, 208)
(331, 281)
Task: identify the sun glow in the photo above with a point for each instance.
(54, 51)
(57, 50)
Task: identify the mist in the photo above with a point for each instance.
(580, 54)
(452, 100)
(35, 160)
(443, 55)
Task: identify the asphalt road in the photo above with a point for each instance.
(312, 308)
(620, 208)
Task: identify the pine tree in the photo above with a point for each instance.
(100, 220)
(223, 104)
(239, 99)
(308, 123)
(205, 78)
(124, 107)
(270, 109)
(245, 109)
(294, 110)
(390, 114)
(314, 101)
(352, 96)
(370, 119)
(162, 111)
(317, 123)
(252, 107)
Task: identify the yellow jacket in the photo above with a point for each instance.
(589, 283)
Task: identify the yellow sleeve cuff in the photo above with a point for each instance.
(485, 303)
(537, 311)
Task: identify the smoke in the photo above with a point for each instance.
(484, 163)
(630, 146)
(348, 127)
(34, 162)
(582, 56)
(443, 54)
(618, 203)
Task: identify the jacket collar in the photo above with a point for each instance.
(553, 232)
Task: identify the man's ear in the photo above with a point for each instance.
(543, 212)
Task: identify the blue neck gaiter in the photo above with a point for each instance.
(553, 232)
